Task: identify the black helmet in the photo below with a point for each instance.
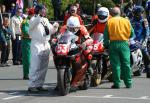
(38, 8)
(138, 10)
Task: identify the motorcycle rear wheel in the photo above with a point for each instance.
(63, 81)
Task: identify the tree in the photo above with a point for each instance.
(138, 2)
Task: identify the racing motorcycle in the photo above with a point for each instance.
(100, 60)
(71, 64)
(136, 58)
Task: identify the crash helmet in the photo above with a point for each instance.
(103, 14)
(73, 24)
(138, 11)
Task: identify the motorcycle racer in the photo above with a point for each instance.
(101, 20)
(141, 29)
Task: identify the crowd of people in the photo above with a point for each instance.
(30, 32)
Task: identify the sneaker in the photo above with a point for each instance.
(15, 63)
(25, 78)
(3, 65)
(42, 89)
(148, 75)
(129, 86)
(56, 88)
(33, 90)
(115, 87)
(7, 64)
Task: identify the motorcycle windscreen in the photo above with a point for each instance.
(67, 38)
(98, 37)
(65, 43)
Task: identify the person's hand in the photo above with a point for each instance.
(56, 24)
(6, 44)
(82, 46)
(53, 41)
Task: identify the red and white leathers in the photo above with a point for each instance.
(81, 33)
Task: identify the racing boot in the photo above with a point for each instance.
(90, 69)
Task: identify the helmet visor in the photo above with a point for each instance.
(102, 15)
(73, 29)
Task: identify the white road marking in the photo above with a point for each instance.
(144, 97)
(110, 97)
(12, 93)
(13, 97)
(107, 96)
(2, 93)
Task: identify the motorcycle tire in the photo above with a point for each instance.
(63, 77)
(87, 82)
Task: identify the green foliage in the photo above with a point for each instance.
(88, 5)
(107, 3)
(49, 6)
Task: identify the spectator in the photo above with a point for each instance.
(128, 9)
(12, 10)
(72, 12)
(26, 41)
(25, 14)
(4, 13)
(16, 36)
(98, 6)
(79, 10)
(39, 30)
(147, 7)
(57, 8)
(1, 19)
(0, 25)
(6, 36)
(116, 35)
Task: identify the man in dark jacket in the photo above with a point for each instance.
(57, 7)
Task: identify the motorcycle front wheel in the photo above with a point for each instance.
(64, 78)
(87, 82)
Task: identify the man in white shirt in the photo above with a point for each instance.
(16, 36)
(39, 30)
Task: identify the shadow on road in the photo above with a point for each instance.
(50, 93)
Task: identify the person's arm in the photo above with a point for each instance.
(146, 28)
(52, 28)
(132, 35)
(12, 26)
(3, 37)
(87, 39)
(106, 37)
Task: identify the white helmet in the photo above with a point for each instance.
(73, 24)
(103, 14)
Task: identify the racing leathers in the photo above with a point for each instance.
(141, 29)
